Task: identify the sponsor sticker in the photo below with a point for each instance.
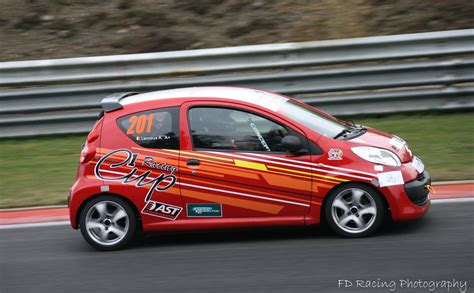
(418, 164)
(390, 178)
(204, 210)
(161, 210)
(335, 154)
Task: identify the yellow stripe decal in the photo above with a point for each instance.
(250, 165)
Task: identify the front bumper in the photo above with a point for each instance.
(410, 200)
(418, 190)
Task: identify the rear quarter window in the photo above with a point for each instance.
(158, 128)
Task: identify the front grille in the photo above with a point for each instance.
(416, 190)
(420, 177)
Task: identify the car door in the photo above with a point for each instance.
(232, 165)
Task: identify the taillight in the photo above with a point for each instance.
(89, 148)
(87, 154)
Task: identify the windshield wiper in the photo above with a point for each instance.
(343, 132)
(349, 129)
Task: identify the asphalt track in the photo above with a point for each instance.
(440, 246)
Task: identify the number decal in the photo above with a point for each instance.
(150, 122)
(133, 122)
(139, 123)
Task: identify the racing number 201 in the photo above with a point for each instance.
(139, 123)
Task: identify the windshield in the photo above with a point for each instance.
(312, 119)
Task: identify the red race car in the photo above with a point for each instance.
(225, 157)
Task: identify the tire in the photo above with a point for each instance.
(354, 210)
(108, 223)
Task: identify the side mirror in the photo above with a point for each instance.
(293, 145)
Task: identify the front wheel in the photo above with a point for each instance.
(108, 223)
(355, 210)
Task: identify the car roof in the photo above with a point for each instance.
(257, 97)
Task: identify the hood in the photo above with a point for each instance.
(380, 139)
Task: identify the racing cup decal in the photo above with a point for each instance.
(108, 169)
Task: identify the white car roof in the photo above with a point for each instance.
(260, 98)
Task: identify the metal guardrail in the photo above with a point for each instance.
(353, 76)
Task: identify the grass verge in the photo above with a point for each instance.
(39, 171)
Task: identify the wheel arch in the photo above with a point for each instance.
(361, 183)
(132, 205)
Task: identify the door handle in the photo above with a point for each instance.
(193, 162)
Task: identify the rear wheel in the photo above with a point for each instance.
(355, 210)
(108, 223)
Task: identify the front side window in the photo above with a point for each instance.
(231, 129)
(157, 128)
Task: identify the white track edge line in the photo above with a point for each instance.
(33, 225)
(455, 182)
(34, 208)
(452, 200)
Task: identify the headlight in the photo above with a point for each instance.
(377, 156)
